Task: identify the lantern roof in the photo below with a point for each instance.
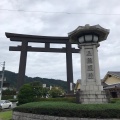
(101, 32)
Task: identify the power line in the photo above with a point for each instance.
(13, 10)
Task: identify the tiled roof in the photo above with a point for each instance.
(79, 81)
(117, 74)
(112, 86)
(104, 84)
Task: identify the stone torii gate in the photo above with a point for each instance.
(24, 48)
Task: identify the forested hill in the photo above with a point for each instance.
(11, 78)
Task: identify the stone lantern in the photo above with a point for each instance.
(88, 38)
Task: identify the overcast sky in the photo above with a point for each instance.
(58, 18)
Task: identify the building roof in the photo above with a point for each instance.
(104, 84)
(117, 74)
(79, 81)
(112, 73)
(112, 86)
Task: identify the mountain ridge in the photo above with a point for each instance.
(11, 77)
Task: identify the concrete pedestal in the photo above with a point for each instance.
(93, 97)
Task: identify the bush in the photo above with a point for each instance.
(8, 92)
(67, 99)
(26, 94)
(13, 100)
(65, 109)
(115, 100)
(7, 97)
(56, 92)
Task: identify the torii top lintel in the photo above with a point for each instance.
(35, 38)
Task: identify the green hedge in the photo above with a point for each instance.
(13, 100)
(68, 99)
(7, 97)
(8, 92)
(66, 109)
(115, 100)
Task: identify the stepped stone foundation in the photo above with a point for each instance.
(93, 97)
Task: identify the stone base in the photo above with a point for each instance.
(93, 97)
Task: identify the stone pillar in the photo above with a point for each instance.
(88, 38)
(91, 88)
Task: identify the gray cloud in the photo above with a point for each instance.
(53, 65)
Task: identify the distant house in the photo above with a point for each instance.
(44, 86)
(6, 85)
(111, 83)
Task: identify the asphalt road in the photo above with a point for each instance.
(14, 105)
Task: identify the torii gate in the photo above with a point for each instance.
(24, 48)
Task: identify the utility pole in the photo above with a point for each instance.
(3, 69)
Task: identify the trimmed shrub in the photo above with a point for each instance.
(65, 109)
(115, 100)
(13, 100)
(67, 99)
(26, 94)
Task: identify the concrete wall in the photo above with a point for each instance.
(28, 116)
(112, 80)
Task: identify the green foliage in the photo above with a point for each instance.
(13, 100)
(31, 92)
(26, 94)
(11, 78)
(66, 109)
(44, 91)
(115, 100)
(56, 92)
(8, 92)
(67, 99)
(37, 88)
(7, 97)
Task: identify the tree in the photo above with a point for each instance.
(45, 92)
(56, 92)
(37, 88)
(26, 94)
(30, 92)
(9, 92)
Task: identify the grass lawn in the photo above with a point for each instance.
(6, 115)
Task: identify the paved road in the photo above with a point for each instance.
(14, 105)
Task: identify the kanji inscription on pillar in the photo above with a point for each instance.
(89, 67)
(89, 64)
(89, 52)
(90, 76)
